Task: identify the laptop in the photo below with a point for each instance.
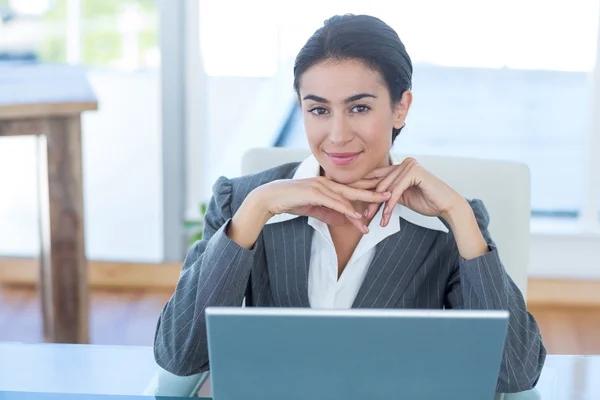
(289, 353)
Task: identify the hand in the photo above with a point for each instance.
(318, 197)
(412, 186)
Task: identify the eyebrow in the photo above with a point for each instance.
(348, 100)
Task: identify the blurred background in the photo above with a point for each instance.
(184, 88)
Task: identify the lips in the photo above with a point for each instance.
(343, 158)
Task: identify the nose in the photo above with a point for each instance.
(340, 133)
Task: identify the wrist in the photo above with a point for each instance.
(465, 228)
(460, 211)
(248, 222)
(257, 201)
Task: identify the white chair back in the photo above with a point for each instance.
(503, 186)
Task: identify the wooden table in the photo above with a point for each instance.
(47, 101)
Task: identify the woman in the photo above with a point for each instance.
(349, 226)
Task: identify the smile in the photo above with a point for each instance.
(343, 158)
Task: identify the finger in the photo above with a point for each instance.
(385, 171)
(338, 203)
(386, 184)
(353, 194)
(328, 216)
(384, 221)
(358, 223)
(402, 183)
(338, 197)
(324, 198)
(406, 165)
(380, 172)
(369, 184)
(372, 209)
(366, 184)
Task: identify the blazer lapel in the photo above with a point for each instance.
(397, 259)
(288, 247)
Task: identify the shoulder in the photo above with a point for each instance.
(232, 192)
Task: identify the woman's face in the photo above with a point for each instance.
(348, 117)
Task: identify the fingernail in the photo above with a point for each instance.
(366, 213)
(357, 214)
(365, 229)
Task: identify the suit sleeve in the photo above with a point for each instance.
(215, 273)
(482, 283)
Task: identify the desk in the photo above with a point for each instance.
(87, 369)
(48, 372)
(47, 101)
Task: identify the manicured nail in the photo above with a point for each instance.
(357, 214)
(365, 229)
(366, 213)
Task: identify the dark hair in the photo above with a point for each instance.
(364, 38)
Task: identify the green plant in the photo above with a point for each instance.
(196, 227)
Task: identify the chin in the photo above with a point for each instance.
(343, 176)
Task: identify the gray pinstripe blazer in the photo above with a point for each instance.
(414, 268)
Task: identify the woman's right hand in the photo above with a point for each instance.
(319, 198)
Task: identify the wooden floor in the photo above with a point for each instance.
(129, 318)
(116, 317)
(568, 330)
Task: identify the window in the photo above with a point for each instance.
(494, 79)
(240, 38)
(115, 33)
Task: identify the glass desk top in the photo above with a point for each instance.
(86, 372)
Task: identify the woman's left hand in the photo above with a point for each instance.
(414, 187)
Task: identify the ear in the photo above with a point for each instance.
(401, 109)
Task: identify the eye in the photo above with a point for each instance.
(360, 109)
(318, 111)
